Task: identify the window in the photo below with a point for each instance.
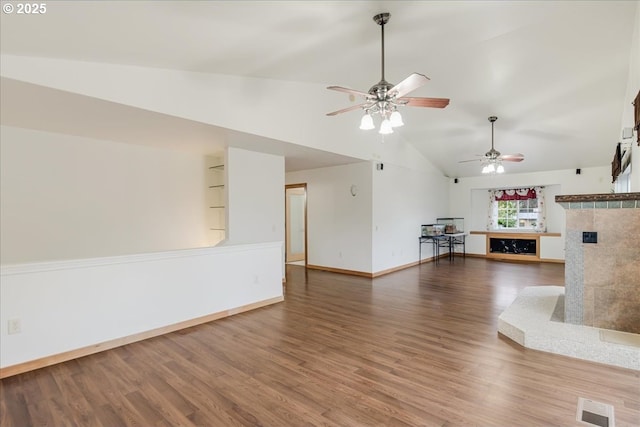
(622, 182)
(517, 209)
(518, 213)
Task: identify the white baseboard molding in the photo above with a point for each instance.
(108, 345)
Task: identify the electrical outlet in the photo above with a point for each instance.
(14, 326)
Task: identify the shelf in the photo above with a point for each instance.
(215, 196)
(516, 234)
(606, 197)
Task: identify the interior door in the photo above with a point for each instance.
(296, 203)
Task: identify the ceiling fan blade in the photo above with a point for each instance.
(411, 83)
(425, 102)
(512, 157)
(347, 90)
(474, 160)
(344, 110)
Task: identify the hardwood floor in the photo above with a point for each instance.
(416, 347)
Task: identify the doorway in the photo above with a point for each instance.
(296, 224)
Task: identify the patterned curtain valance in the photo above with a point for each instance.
(516, 194)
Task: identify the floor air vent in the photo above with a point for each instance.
(594, 413)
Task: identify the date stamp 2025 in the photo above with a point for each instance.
(24, 8)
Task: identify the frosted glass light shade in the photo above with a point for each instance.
(367, 122)
(385, 127)
(500, 169)
(396, 119)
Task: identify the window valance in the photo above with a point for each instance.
(515, 194)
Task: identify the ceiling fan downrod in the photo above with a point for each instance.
(492, 119)
(381, 19)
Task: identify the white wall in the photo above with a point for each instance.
(633, 86)
(469, 199)
(65, 197)
(68, 305)
(255, 197)
(377, 229)
(403, 200)
(338, 224)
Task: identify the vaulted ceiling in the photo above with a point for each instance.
(554, 72)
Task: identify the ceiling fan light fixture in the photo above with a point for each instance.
(385, 127)
(492, 159)
(396, 119)
(384, 98)
(367, 122)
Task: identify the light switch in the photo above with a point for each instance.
(589, 237)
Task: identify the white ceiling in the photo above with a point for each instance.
(554, 72)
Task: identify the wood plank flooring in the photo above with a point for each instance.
(418, 347)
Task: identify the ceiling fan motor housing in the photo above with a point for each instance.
(379, 90)
(382, 18)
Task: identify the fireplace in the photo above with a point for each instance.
(513, 246)
(602, 270)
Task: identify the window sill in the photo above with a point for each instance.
(519, 233)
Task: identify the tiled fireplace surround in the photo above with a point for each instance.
(602, 280)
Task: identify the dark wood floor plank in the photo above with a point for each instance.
(212, 406)
(418, 347)
(15, 411)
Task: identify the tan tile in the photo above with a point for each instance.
(580, 219)
(617, 225)
(611, 267)
(626, 272)
(617, 309)
(588, 306)
(598, 266)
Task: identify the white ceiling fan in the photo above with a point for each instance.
(492, 159)
(384, 98)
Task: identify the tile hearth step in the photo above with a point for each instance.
(527, 321)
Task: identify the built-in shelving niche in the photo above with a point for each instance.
(216, 199)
